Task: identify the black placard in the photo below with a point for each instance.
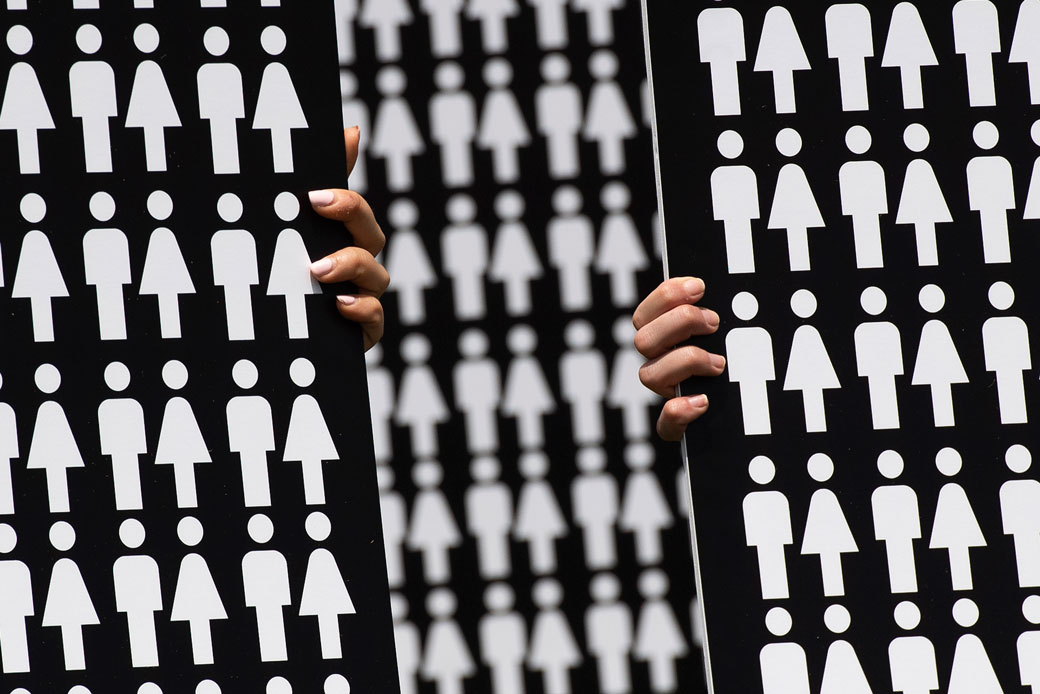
(332, 528)
(990, 445)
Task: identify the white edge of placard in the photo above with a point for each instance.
(664, 262)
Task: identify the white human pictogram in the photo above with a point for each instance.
(278, 107)
(503, 129)
(780, 52)
(453, 124)
(972, 671)
(976, 33)
(446, 660)
(165, 273)
(53, 446)
(850, 42)
(221, 102)
(92, 85)
(68, 604)
(250, 424)
(658, 640)
(611, 634)
(794, 206)
(991, 193)
(749, 355)
(1005, 343)
(864, 198)
(181, 444)
(827, 531)
(433, 530)
(121, 425)
(784, 666)
(195, 596)
(235, 270)
(503, 639)
(938, 363)
(909, 49)
(24, 108)
(106, 260)
(290, 274)
(720, 35)
(1024, 49)
(553, 649)
(1018, 498)
(897, 523)
(956, 529)
(265, 578)
(152, 107)
(138, 594)
(767, 528)
(8, 451)
(514, 261)
(922, 202)
(734, 201)
(308, 440)
(38, 276)
(809, 368)
(16, 607)
(1028, 644)
(912, 658)
(879, 358)
(559, 115)
(842, 672)
(324, 593)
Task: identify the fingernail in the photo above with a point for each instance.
(358, 128)
(694, 286)
(321, 267)
(698, 401)
(711, 318)
(347, 300)
(718, 361)
(321, 198)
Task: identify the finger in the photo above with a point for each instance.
(677, 413)
(367, 312)
(675, 326)
(350, 208)
(662, 374)
(353, 265)
(352, 139)
(668, 295)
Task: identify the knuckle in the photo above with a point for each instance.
(673, 292)
(379, 243)
(697, 357)
(688, 314)
(645, 375)
(350, 205)
(373, 311)
(649, 375)
(347, 260)
(362, 255)
(672, 410)
(642, 341)
(667, 428)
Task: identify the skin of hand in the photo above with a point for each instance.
(668, 316)
(357, 263)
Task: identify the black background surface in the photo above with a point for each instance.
(719, 451)
(334, 348)
(548, 317)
